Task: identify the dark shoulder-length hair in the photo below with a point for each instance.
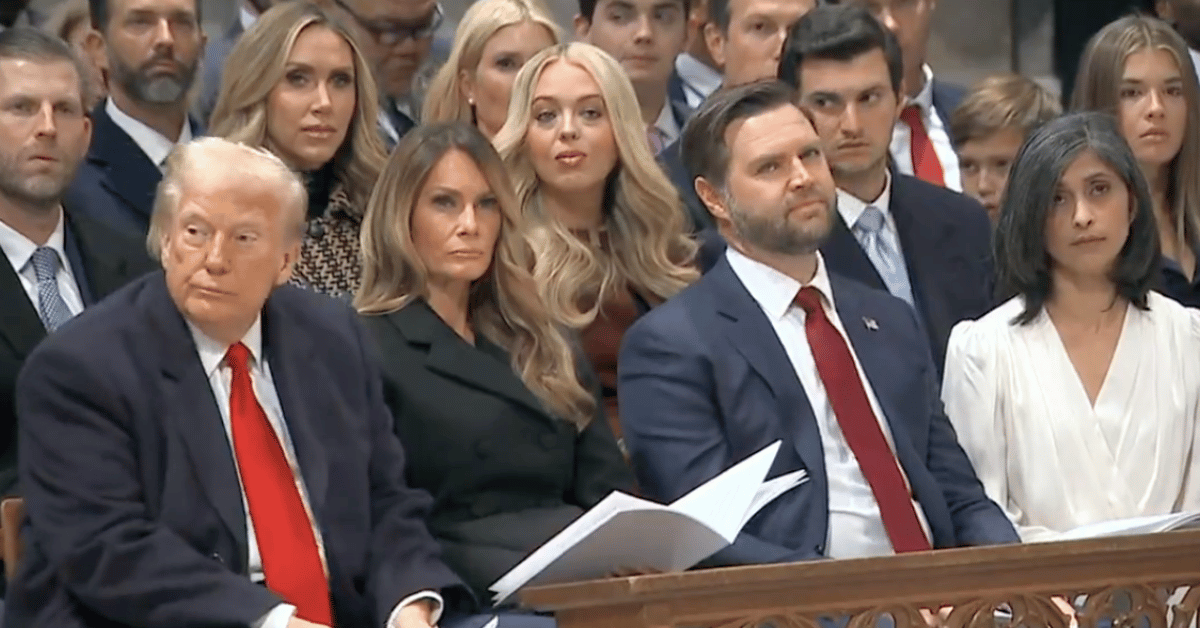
(1023, 263)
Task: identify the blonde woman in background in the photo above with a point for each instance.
(297, 84)
(1139, 70)
(606, 223)
(493, 41)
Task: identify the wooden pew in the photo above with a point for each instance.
(1119, 582)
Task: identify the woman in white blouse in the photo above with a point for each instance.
(1077, 399)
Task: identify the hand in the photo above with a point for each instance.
(415, 615)
(296, 622)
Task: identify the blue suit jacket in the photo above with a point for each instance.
(117, 182)
(705, 383)
(213, 66)
(946, 98)
(135, 513)
(947, 242)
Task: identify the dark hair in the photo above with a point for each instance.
(587, 8)
(1023, 264)
(838, 33)
(702, 144)
(720, 14)
(34, 45)
(101, 11)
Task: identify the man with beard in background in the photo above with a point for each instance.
(152, 48)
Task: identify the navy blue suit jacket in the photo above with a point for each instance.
(705, 383)
(117, 182)
(946, 98)
(135, 513)
(947, 242)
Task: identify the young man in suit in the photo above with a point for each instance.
(152, 50)
(745, 37)
(148, 422)
(923, 243)
(58, 262)
(645, 36)
(771, 344)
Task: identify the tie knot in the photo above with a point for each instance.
(237, 357)
(809, 298)
(871, 220)
(911, 115)
(45, 263)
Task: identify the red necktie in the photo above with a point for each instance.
(860, 427)
(924, 158)
(286, 541)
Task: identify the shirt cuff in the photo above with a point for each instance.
(432, 596)
(278, 617)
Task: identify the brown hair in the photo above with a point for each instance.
(1002, 102)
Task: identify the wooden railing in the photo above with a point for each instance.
(1132, 582)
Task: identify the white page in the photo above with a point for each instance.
(492, 624)
(1131, 526)
(722, 502)
(772, 489)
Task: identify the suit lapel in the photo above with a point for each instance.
(195, 412)
(918, 238)
(449, 355)
(103, 262)
(19, 321)
(294, 369)
(128, 173)
(845, 255)
(750, 332)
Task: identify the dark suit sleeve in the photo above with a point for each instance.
(977, 519)
(405, 559)
(79, 456)
(600, 467)
(672, 423)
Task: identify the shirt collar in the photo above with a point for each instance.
(153, 144)
(696, 73)
(18, 248)
(212, 353)
(924, 98)
(851, 208)
(666, 123)
(246, 17)
(774, 291)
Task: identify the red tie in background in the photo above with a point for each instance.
(286, 542)
(925, 160)
(860, 426)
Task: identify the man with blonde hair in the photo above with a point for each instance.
(210, 447)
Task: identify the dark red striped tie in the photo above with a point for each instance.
(925, 161)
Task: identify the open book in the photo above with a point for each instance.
(1131, 526)
(625, 532)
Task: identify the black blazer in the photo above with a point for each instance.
(947, 242)
(505, 475)
(117, 182)
(102, 260)
(946, 98)
(135, 514)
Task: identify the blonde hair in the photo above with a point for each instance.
(650, 252)
(257, 64)
(1001, 102)
(1097, 88)
(445, 99)
(213, 164)
(504, 305)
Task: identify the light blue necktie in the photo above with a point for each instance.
(51, 308)
(885, 257)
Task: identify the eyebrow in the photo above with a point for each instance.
(1175, 78)
(300, 65)
(555, 99)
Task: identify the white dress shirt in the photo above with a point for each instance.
(212, 357)
(156, 147)
(19, 251)
(699, 80)
(851, 207)
(246, 17)
(666, 123)
(1195, 60)
(855, 524)
(939, 136)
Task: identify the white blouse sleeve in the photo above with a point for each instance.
(1190, 499)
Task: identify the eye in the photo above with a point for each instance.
(1059, 200)
(343, 80)
(507, 63)
(870, 98)
(1130, 92)
(667, 15)
(545, 117)
(1175, 91)
(297, 79)
(811, 153)
(591, 113)
(767, 167)
(1100, 188)
(620, 14)
(969, 167)
(488, 202)
(247, 237)
(444, 201)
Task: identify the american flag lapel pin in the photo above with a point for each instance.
(870, 323)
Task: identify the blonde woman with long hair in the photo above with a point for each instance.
(1139, 70)
(607, 224)
(298, 85)
(493, 41)
(482, 381)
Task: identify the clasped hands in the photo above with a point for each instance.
(416, 615)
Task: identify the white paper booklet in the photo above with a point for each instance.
(626, 532)
(1130, 527)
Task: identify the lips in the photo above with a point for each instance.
(1086, 240)
(318, 129)
(1154, 134)
(570, 158)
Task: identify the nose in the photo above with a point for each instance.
(163, 35)
(851, 123)
(802, 177)
(47, 125)
(989, 182)
(1084, 216)
(323, 101)
(216, 261)
(645, 30)
(1155, 103)
(570, 125)
(468, 223)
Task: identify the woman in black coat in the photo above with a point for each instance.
(485, 388)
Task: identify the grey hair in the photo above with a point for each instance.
(1023, 263)
(212, 164)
